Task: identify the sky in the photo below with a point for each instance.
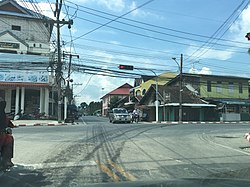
(148, 34)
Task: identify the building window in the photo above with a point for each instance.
(34, 45)
(40, 45)
(231, 87)
(138, 93)
(240, 88)
(209, 89)
(219, 87)
(143, 91)
(16, 27)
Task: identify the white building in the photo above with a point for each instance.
(25, 83)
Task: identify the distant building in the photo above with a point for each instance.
(143, 84)
(204, 98)
(120, 92)
(230, 94)
(25, 83)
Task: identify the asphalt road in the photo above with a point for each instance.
(97, 153)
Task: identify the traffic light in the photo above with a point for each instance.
(126, 67)
(248, 36)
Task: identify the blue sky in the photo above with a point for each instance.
(149, 37)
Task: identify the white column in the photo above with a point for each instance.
(65, 107)
(22, 99)
(41, 107)
(46, 101)
(8, 100)
(17, 100)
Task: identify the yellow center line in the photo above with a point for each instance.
(129, 176)
(106, 170)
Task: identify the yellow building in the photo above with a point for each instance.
(144, 84)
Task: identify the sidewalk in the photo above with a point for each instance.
(22, 123)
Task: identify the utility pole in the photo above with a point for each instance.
(180, 86)
(59, 61)
(181, 89)
(68, 94)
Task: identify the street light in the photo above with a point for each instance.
(156, 94)
(180, 85)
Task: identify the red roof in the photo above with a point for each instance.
(122, 90)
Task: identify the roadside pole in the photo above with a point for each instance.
(58, 70)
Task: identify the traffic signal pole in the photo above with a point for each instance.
(129, 67)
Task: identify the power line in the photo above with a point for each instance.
(114, 19)
(159, 39)
(148, 24)
(209, 42)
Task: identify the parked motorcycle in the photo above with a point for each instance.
(3, 167)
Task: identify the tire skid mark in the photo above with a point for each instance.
(144, 152)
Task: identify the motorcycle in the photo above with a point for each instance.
(247, 136)
(135, 117)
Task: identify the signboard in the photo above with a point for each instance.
(9, 45)
(24, 76)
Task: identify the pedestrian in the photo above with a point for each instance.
(6, 138)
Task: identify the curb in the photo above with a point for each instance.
(42, 124)
(200, 122)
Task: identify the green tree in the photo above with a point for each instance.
(113, 102)
(93, 106)
(84, 105)
(84, 108)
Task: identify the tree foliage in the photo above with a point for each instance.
(91, 107)
(113, 102)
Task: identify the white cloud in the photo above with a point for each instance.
(94, 87)
(209, 53)
(193, 70)
(114, 5)
(132, 7)
(115, 42)
(205, 71)
(142, 13)
(220, 55)
(241, 26)
(103, 56)
(43, 7)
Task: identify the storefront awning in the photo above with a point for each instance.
(26, 85)
(234, 102)
(190, 105)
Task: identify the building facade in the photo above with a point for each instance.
(229, 93)
(25, 82)
(120, 92)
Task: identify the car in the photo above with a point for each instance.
(119, 115)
